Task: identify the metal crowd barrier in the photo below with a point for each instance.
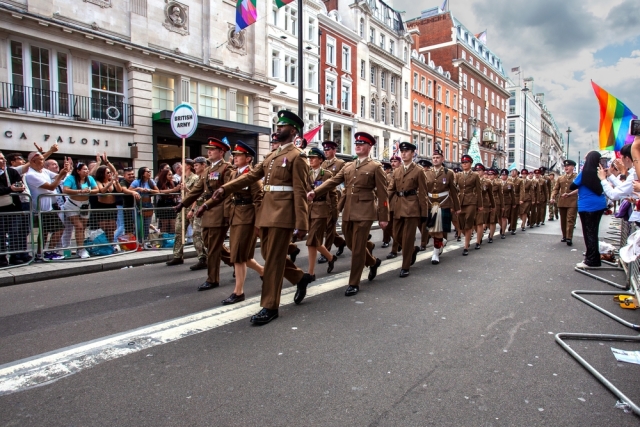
(71, 227)
(156, 222)
(16, 234)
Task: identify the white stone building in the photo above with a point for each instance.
(516, 128)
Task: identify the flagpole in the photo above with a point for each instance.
(300, 62)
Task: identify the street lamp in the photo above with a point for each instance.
(525, 90)
(568, 134)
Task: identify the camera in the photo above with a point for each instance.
(634, 129)
(19, 184)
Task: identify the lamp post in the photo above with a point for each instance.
(525, 90)
(568, 134)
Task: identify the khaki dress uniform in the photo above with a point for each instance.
(553, 207)
(333, 166)
(215, 221)
(178, 246)
(387, 233)
(541, 199)
(409, 185)
(517, 188)
(364, 180)
(470, 198)
(568, 206)
(243, 211)
(508, 198)
(321, 209)
(496, 189)
(442, 190)
(284, 209)
(482, 217)
(526, 196)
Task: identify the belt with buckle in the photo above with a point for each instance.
(272, 188)
(406, 193)
(242, 202)
(320, 199)
(438, 195)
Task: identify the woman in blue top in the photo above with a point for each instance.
(145, 186)
(591, 205)
(79, 185)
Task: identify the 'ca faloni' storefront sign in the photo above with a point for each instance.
(20, 136)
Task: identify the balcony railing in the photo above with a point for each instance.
(59, 104)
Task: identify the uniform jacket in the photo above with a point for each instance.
(439, 182)
(561, 187)
(508, 193)
(470, 189)
(334, 165)
(487, 193)
(496, 188)
(362, 184)
(392, 197)
(213, 178)
(517, 187)
(242, 214)
(527, 191)
(286, 166)
(413, 179)
(541, 190)
(322, 208)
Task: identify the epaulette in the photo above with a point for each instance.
(302, 153)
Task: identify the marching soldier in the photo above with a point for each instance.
(553, 206)
(320, 211)
(443, 195)
(243, 209)
(454, 215)
(216, 221)
(541, 197)
(482, 216)
(517, 186)
(333, 165)
(526, 197)
(567, 204)
(470, 193)
(496, 212)
(508, 201)
(364, 179)
(409, 184)
(387, 235)
(425, 236)
(283, 212)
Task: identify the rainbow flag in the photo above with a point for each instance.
(246, 14)
(281, 3)
(615, 118)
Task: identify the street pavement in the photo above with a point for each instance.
(469, 342)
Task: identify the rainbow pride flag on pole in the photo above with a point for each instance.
(246, 14)
(615, 118)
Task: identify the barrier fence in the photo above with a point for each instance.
(16, 232)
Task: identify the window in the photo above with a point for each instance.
(430, 89)
(290, 69)
(415, 112)
(455, 126)
(464, 129)
(439, 120)
(493, 99)
(275, 64)
(404, 55)
(363, 101)
(372, 35)
(373, 75)
(447, 98)
(363, 69)
(393, 84)
(383, 112)
(464, 55)
(361, 27)
(512, 157)
(406, 120)
(422, 114)
(479, 110)
(330, 92)
(512, 126)
(242, 108)
(383, 80)
(211, 100)
(492, 120)
(274, 15)
(107, 85)
(429, 146)
(464, 105)
(163, 92)
(392, 117)
(406, 89)
(486, 116)
(486, 94)
(373, 109)
(312, 77)
(291, 20)
(311, 30)
(331, 51)
(392, 47)
(382, 41)
(473, 86)
(446, 150)
(455, 102)
(430, 117)
(473, 109)
(346, 58)
(446, 123)
(479, 89)
(512, 103)
(439, 93)
(345, 102)
(415, 81)
(422, 84)
(512, 141)
(423, 145)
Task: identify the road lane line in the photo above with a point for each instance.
(52, 366)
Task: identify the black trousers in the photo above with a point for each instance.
(590, 228)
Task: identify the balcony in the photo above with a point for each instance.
(49, 103)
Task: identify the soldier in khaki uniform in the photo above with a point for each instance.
(470, 193)
(364, 179)
(387, 237)
(482, 217)
(409, 185)
(443, 195)
(541, 197)
(215, 222)
(527, 197)
(553, 207)
(333, 165)
(515, 211)
(425, 236)
(243, 209)
(496, 212)
(567, 204)
(508, 201)
(320, 211)
(283, 212)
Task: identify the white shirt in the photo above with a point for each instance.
(623, 189)
(19, 169)
(34, 181)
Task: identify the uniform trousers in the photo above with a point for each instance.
(568, 221)
(543, 212)
(553, 210)
(404, 231)
(513, 220)
(332, 236)
(356, 234)
(213, 239)
(424, 234)
(387, 233)
(178, 245)
(273, 246)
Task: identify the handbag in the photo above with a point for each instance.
(625, 210)
(7, 199)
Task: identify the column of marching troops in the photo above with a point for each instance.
(292, 195)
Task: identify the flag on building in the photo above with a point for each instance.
(313, 132)
(615, 119)
(246, 14)
(482, 37)
(396, 148)
(280, 3)
(515, 70)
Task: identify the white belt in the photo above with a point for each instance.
(271, 188)
(438, 195)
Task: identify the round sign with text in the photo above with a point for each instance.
(184, 121)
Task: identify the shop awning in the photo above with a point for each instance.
(164, 116)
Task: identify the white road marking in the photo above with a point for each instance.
(52, 366)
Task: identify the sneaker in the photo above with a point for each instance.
(148, 246)
(82, 253)
(52, 256)
(583, 265)
(116, 248)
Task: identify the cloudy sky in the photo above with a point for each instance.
(563, 45)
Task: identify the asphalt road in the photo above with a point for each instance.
(469, 342)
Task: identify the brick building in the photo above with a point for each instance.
(482, 94)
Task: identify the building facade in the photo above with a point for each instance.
(519, 118)
(552, 141)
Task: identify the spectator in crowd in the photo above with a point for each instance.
(107, 181)
(126, 218)
(166, 215)
(177, 172)
(162, 167)
(591, 206)
(610, 179)
(52, 165)
(42, 184)
(79, 186)
(145, 186)
(10, 182)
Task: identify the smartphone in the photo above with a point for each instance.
(603, 162)
(634, 128)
